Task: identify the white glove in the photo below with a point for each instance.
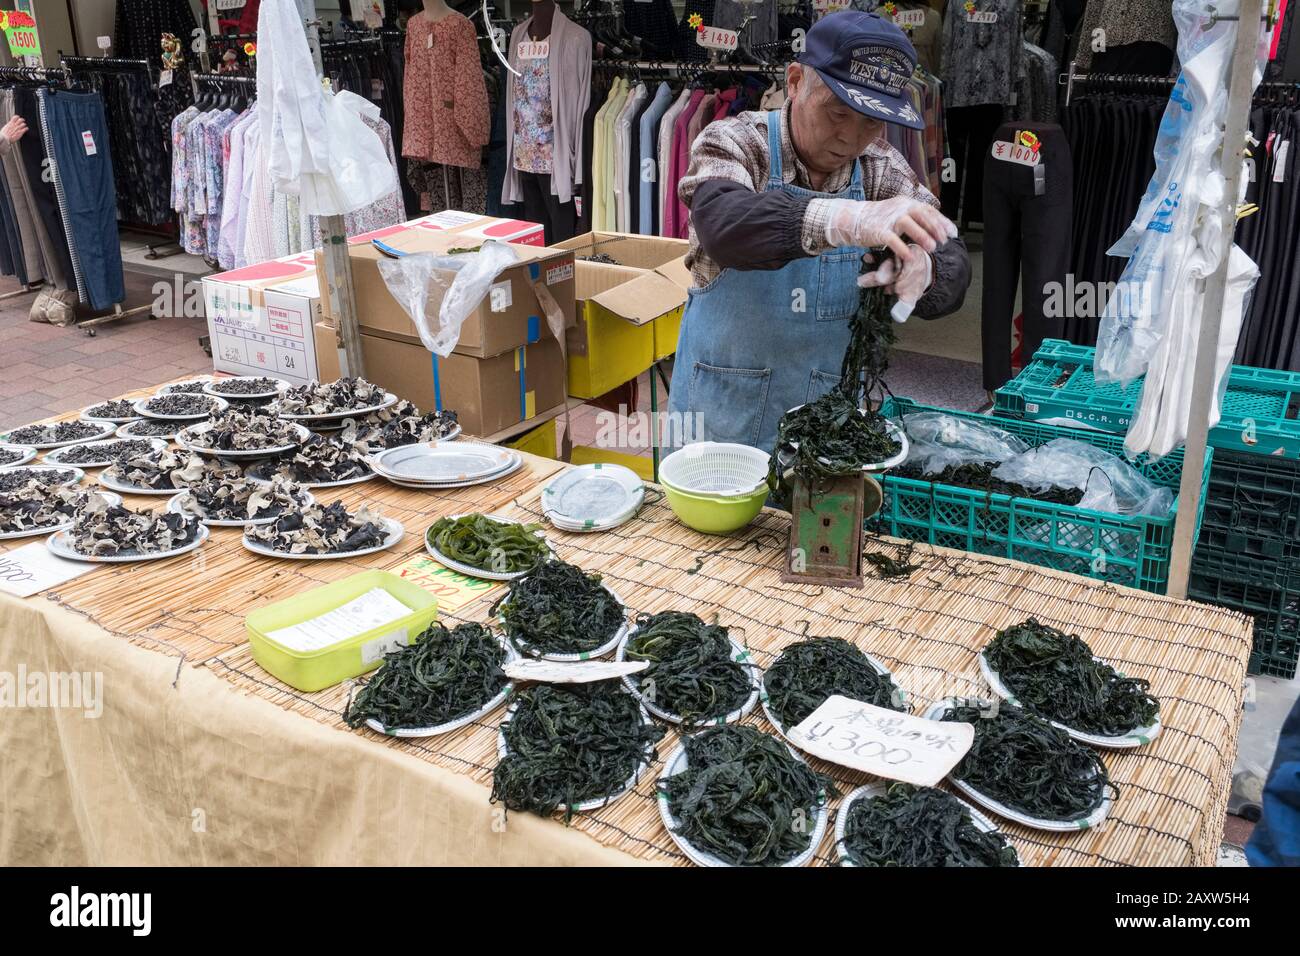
(908, 282)
(890, 222)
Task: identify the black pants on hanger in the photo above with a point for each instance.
(970, 134)
(541, 205)
(1029, 233)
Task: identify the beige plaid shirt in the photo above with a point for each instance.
(736, 149)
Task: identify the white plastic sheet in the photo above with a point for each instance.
(938, 440)
(1108, 483)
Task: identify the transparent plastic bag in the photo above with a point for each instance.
(439, 292)
(938, 440)
(1108, 483)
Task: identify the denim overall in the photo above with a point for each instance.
(756, 343)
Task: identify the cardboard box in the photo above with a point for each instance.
(261, 318)
(487, 394)
(509, 317)
(620, 306)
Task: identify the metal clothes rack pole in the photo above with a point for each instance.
(1207, 347)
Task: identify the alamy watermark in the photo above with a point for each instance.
(1089, 300)
(64, 690)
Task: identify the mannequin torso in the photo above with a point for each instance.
(543, 16)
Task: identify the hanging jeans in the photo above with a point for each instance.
(1027, 213)
(74, 128)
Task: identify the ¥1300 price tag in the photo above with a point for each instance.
(716, 38)
(883, 742)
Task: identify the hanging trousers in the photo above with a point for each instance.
(541, 205)
(45, 204)
(1025, 231)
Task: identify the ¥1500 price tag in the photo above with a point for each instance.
(883, 742)
(716, 38)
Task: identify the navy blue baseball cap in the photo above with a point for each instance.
(866, 60)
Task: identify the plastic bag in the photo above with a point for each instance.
(938, 440)
(439, 292)
(1108, 483)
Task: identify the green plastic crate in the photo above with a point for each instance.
(1260, 408)
(1253, 505)
(1268, 591)
(1127, 550)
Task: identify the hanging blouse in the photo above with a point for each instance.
(446, 102)
(534, 128)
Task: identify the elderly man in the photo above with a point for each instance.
(786, 205)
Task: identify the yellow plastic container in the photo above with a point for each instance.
(667, 328)
(540, 441)
(316, 670)
(617, 351)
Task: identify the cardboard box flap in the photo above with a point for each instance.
(642, 299)
(677, 273)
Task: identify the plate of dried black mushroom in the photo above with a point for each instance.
(157, 472)
(319, 532)
(236, 433)
(1022, 768)
(319, 462)
(402, 424)
(810, 672)
(343, 398)
(246, 387)
(102, 453)
(486, 546)
(445, 679)
(189, 386)
(698, 674)
(149, 428)
(559, 612)
(898, 824)
(49, 475)
(58, 434)
(119, 412)
(1055, 676)
(108, 533)
(735, 796)
(180, 406)
(225, 500)
(41, 509)
(572, 748)
(16, 455)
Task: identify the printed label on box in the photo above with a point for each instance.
(559, 273)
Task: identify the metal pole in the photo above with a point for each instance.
(1234, 146)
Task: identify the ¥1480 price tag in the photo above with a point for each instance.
(909, 18)
(716, 38)
(883, 742)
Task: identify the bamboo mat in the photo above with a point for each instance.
(927, 628)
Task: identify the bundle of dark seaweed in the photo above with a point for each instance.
(810, 672)
(119, 410)
(1028, 765)
(744, 798)
(443, 676)
(871, 338)
(691, 674)
(35, 505)
(16, 478)
(919, 826)
(318, 460)
(107, 530)
(94, 453)
(403, 424)
(239, 429)
(162, 469)
(978, 476)
(321, 529)
(478, 541)
(180, 405)
(560, 609)
(228, 496)
(568, 744)
(1054, 675)
(331, 398)
(56, 433)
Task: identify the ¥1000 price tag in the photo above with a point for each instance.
(716, 38)
(883, 742)
(534, 49)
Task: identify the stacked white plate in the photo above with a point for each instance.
(592, 497)
(444, 464)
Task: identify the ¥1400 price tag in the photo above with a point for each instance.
(883, 742)
(716, 38)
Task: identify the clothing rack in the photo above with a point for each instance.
(1139, 83)
(99, 64)
(686, 67)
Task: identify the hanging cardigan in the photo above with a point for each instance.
(570, 65)
(444, 93)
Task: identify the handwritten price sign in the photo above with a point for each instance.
(452, 589)
(20, 31)
(910, 19)
(883, 742)
(716, 38)
(982, 16)
(31, 569)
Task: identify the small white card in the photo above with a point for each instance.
(164, 78)
(716, 38)
(534, 49)
(103, 42)
(1014, 153)
(560, 672)
(883, 742)
(32, 568)
(982, 16)
(373, 609)
(88, 141)
(909, 18)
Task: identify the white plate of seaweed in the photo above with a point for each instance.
(190, 438)
(600, 651)
(471, 570)
(178, 503)
(87, 432)
(243, 388)
(738, 654)
(118, 411)
(14, 455)
(1092, 819)
(1137, 737)
(872, 790)
(392, 536)
(60, 544)
(104, 447)
(775, 721)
